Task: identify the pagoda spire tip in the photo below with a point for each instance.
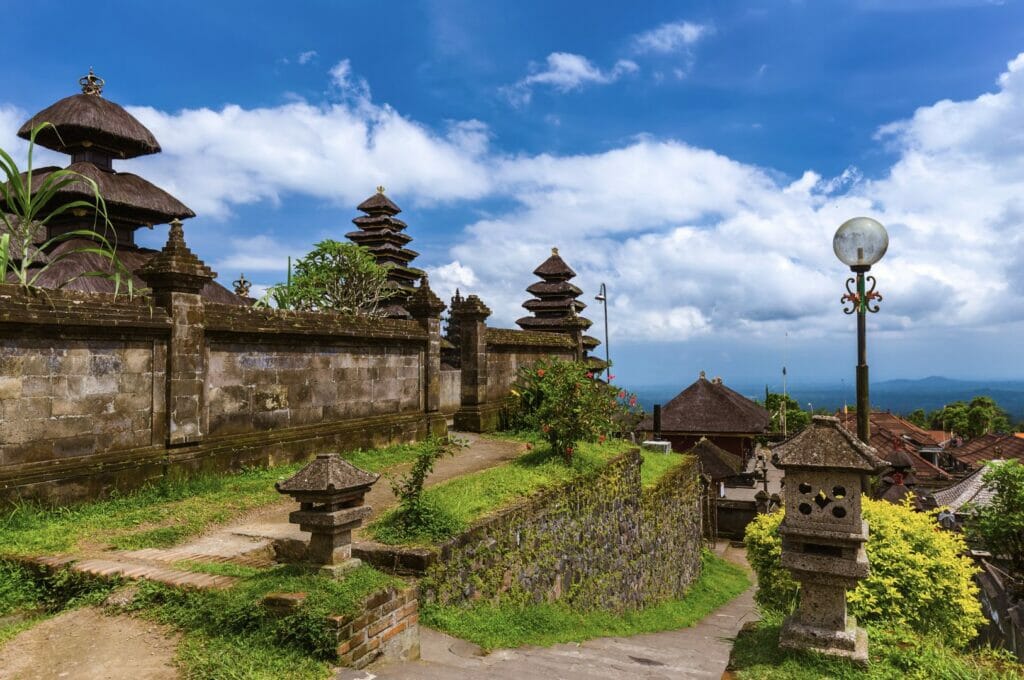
(92, 84)
(380, 188)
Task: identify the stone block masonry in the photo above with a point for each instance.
(598, 542)
(387, 626)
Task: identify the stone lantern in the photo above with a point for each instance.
(330, 493)
(823, 534)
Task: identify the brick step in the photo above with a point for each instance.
(172, 555)
(138, 570)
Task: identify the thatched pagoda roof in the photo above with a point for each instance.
(89, 120)
(554, 268)
(709, 407)
(129, 198)
(328, 472)
(379, 204)
(78, 263)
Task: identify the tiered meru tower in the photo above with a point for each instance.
(95, 132)
(555, 306)
(383, 234)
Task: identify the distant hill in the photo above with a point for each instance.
(899, 396)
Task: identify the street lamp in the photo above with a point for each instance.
(860, 243)
(602, 297)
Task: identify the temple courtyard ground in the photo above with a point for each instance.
(89, 644)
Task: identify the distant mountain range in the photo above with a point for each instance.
(898, 396)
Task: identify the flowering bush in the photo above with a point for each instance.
(564, 402)
(919, 577)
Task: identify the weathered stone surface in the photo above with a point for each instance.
(601, 542)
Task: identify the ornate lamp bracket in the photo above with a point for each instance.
(861, 300)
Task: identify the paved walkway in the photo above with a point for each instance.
(701, 651)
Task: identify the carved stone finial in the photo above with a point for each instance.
(176, 267)
(554, 251)
(703, 376)
(92, 84)
(380, 188)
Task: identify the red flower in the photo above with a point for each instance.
(545, 428)
(611, 377)
(632, 401)
(590, 374)
(601, 439)
(540, 372)
(568, 449)
(622, 394)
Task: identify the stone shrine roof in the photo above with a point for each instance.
(327, 472)
(826, 444)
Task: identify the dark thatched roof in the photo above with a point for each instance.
(378, 204)
(708, 407)
(89, 120)
(17, 252)
(554, 268)
(77, 264)
(825, 443)
(716, 462)
(129, 198)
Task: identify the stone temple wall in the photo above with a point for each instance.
(598, 542)
(252, 386)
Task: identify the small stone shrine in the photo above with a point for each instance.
(823, 534)
(383, 234)
(330, 493)
(555, 307)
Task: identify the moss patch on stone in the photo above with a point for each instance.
(511, 625)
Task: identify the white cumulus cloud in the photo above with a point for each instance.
(565, 72)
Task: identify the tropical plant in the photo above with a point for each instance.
(920, 578)
(565, 403)
(981, 416)
(796, 419)
(28, 212)
(334, 276)
(999, 526)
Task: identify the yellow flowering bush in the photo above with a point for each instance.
(919, 578)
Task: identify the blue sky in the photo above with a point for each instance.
(696, 157)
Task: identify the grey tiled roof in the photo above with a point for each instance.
(970, 489)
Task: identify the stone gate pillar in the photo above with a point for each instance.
(471, 316)
(425, 307)
(176, 277)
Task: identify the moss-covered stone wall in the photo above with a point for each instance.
(601, 541)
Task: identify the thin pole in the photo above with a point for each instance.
(607, 347)
(863, 405)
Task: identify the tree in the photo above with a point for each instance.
(335, 276)
(999, 526)
(918, 417)
(796, 418)
(981, 416)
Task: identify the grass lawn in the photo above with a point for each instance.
(459, 502)
(163, 514)
(894, 655)
(226, 633)
(504, 626)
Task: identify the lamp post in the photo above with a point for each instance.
(860, 243)
(602, 297)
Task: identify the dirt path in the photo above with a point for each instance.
(84, 644)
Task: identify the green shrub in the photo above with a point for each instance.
(415, 518)
(919, 578)
(566, 404)
(999, 526)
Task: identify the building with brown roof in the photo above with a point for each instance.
(96, 132)
(708, 408)
(980, 450)
(894, 437)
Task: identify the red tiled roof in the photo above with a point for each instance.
(980, 450)
(887, 437)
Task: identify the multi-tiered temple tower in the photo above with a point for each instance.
(383, 234)
(95, 132)
(556, 307)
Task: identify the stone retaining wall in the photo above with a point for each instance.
(387, 626)
(597, 542)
